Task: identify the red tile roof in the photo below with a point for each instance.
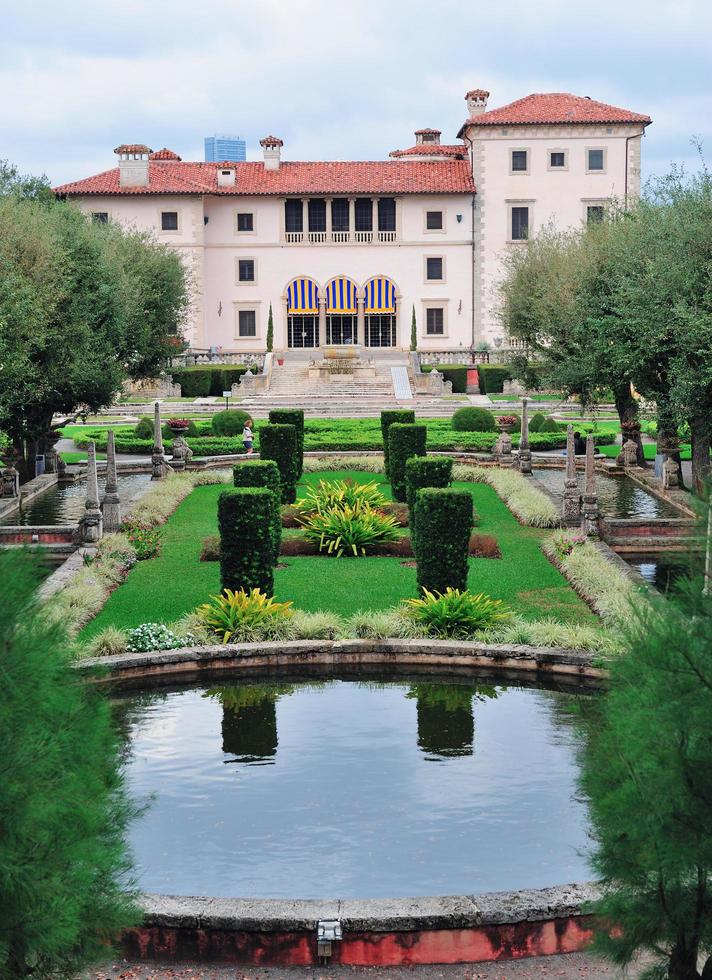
(133, 148)
(456, 150)
(164, 154)
(427, 129)
(327, 177)
(555, 108)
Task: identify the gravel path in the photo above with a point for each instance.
(573, 966)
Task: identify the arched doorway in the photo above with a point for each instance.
(379, 307)
(302, 313)
(341, 311)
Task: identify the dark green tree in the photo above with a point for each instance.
(413, 331)
(65, 885)
(270, 330)
(648, 776)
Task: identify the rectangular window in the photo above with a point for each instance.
(340, 214)
(557, 158)
(434, 268)
(169, 220)
(364, 214)
(386, 214)
(519, 161)
(520, 224)
(100, 217)
(246, 323)
(293, 219)
(435, 321)
(246, 270)
(317, 214)
(434, 220)
(594, 213)
(595, 160)
(245, 221)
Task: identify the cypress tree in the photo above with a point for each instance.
(413, 332)
(270, 330)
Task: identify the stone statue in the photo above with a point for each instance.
(670, 474)
(182, 453)
(630, 453)
(10, 482)
(91, 525)
(247, 383)
(571, 506)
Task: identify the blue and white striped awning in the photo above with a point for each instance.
(303, 296)
(380, 296)
(341, 296)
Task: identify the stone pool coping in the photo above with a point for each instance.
(440, 654)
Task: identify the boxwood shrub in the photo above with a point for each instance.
(492, 378)
(144, 429)
(279, 443)
(404, 441)
(444, 521)
(246, 517)
(202, 381)
(549, 425)
(263, 473)
(424, 471)
(230, 422)
(535, 422)
(295, 417)
(457, 373)
(405, 416)
(472, 419)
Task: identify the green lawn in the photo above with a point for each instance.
(649, 451)
(165, 588)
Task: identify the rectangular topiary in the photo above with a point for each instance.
(279, 443)
(424, 471)
(263, 473)
(246, 516)
(295, 417)
(444, 521)
(492, 378)
(404, 416)
(404, 441)
(199, 382)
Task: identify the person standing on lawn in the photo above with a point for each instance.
(247, 436)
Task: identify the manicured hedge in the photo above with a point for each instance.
(473, 419)
(295, 417)
(492, 378)
(200, 382)
(549, 425)
(230, 422)
(144, 429)
(444, 521)
(424, 471)
(536, 421)
(263, 473)
(404, 441)
(279, 443)
(246, 517)
(404, 416)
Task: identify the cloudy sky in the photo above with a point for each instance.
(336, 79)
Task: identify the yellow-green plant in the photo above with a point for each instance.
(457, 613)
(232, 613)
(347, 530)
(341, 493)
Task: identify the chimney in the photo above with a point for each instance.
(431, 136)
(271, 147)
(476, 100)
(226, 176)
(133, 164)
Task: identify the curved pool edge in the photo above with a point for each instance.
(376, 932)
(442, 655)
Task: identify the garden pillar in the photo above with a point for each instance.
(91, 524)
(525, 456)
(589, 521)
(111, 508)
(158, 461)
(572, 498)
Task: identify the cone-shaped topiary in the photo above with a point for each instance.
(424, 471)
(404, 441)
(263, 473)
(388, 417)
(279, 443)
(473, 419)
(295, 417)
(246, 517)
(444, 521)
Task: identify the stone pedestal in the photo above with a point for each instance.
(589, 510)
(111, 507)
(159, 468)
(525, 456)
(571, 506)
(92, 524)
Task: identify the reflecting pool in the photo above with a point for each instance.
(64, 502)
(618, 496)
(344, 788)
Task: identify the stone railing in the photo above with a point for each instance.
(465, 355)
(257, 383)
(195, 358)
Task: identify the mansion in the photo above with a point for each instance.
(344, 251)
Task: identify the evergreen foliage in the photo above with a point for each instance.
(424, 471)
(549, 425)
(263, 473)
(246, 518)
(535, 422)
(199, 382)
(444, 521)
(231, 422)
(295, 417)
(65, 887)
(404, 440)
(492, 378)
(279, 443)
(647, 774)
(473, 419)
(388, 417)
(270, 331)
(413, 331)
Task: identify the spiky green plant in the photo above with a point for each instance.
(341, 493)
(229, 613)
(457, 613)
(350, 531)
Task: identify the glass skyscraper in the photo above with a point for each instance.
(219, 148)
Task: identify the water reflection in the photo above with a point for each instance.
(64, 502)
(618, 496)
(446, 724)
(249, 721)
(664, 571)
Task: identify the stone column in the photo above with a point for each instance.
(305, 218)
(91, 524)
(352, 219)
(111, 507)
(572, 498)
(328, 219)
(525, 456)
(589, 522)
(360, 322)
(322, 322)
(158, 461)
